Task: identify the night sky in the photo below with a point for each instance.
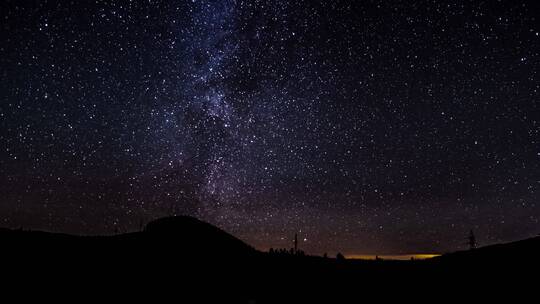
(366, 127)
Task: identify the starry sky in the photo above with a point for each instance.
(367, 127)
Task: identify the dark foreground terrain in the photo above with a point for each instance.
(190, 261)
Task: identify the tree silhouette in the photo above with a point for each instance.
(471, 240)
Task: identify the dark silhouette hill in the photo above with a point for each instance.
(179, 236)
(195, 236)
(519, 251)
(180, 256)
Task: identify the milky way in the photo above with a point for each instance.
(365, 127)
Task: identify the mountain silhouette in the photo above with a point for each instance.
(523, 249)
(194, 237)
(523, 252)
(180, 255)
(179, 236)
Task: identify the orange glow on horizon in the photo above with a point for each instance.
(416, 256)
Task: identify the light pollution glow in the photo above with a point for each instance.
(416, 256)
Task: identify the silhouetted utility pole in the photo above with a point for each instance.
(295, 243)
(141, 224)
(472, 240)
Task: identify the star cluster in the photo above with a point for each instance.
(363, 126)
